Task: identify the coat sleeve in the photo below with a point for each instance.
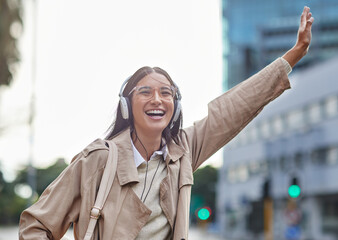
(60, 204)
(232, 111)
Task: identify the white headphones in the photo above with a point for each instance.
(125, 105)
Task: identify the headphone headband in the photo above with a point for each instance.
(123, 85)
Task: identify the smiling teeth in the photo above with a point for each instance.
(155, 112)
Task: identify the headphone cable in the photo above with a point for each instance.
(151, 183)
(145, 178)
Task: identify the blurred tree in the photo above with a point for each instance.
(203, 192)
(10, 30)
(11, 205)
(13, 195)
(44, 176)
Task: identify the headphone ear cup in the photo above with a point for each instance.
(124, 105)
(176, 113)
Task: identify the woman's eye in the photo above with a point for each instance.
(145, 92)
(166, 92)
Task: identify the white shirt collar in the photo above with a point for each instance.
(139, 159)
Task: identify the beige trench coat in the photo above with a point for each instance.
(71, 196)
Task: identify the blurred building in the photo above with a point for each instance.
(296, 136)
(257, 32)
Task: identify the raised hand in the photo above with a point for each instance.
(304, 31)
(303, 38)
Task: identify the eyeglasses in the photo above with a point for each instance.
(147, 92)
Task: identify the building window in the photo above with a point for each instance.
(295, 119)
(331, 106)
(232, 174)
(314, 113)
(238, 173)
(264, 167)
(332, 155)
(273, 164)
(277, 125)
(265, 129)
(253, 134)
(254, 168)
(283, 163)
(330, 215)
(243, 173)
(298, 160)
(318, 156)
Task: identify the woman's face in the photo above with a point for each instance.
(152, 106)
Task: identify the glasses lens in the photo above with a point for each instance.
(167, 92)
(147, 92)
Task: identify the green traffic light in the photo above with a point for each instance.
(294, 191)
(203, 214)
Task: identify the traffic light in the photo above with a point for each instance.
(294, 189)
(203, 213)
(266, 189)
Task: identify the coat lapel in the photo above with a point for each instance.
(126, 169)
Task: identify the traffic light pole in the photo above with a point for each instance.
(268, 218)
(267, 210)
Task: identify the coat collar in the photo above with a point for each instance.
(126, 169)
(175, 151)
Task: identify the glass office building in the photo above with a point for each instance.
(257, 32)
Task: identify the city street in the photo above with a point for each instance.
(11, 233)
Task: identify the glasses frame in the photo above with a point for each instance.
(172, 88)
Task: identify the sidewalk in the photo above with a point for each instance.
(11, 233)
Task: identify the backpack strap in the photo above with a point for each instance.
(104, 189)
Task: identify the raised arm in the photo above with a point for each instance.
(233, 110)
(303, 39)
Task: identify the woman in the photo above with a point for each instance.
(150, 196)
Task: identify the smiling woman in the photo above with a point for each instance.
(151, 109)
(152, 114)
(150, 194)
(149, 99)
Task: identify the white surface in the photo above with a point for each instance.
(85, 50)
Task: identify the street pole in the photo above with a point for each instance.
(267, 210)
(31, 173)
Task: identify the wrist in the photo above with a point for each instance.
(301, 48)
(295, 54)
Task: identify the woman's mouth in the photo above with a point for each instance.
(155, 113)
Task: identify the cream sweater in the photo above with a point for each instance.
(157, 226)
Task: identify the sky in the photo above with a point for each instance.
(85, 49)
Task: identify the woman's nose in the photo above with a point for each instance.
(156, 97)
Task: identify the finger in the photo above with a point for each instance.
(309, 24)
(303, 17)
(310, 21)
